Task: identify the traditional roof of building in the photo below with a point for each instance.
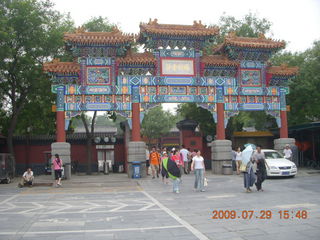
(114, 37)
(259, 42)
(283, 70)
(197, 29)
(137, 58)
(61, 67)
(218, 60)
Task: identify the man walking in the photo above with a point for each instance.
(154, 161)
(184, 153)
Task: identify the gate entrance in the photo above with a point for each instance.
(107, 76)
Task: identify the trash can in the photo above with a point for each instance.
(227, 169)
(136, 165)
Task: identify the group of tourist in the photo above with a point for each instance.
(172, 164)
(253, 166)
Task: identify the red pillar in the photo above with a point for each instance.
(136, 122)
(60, 127)
(284, 124)
(221, 135)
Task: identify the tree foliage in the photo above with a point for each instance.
(202, 116)
(304, 96)
(249, 26)
(156, 123)
(98, 24)
(31, 33)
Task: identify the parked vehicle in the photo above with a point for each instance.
(6, 168)
(277, 165)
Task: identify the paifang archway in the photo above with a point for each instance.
(107, 76)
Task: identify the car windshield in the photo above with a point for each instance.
(273, 155)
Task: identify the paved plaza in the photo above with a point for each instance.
(115, 207)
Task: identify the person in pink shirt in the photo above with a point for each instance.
(57, 167)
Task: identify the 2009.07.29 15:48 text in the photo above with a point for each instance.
(259, 214)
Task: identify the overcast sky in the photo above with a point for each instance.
(295, 21)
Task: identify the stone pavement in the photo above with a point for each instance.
(115, 207)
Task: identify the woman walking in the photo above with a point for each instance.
(248, 173)
(238, 159)
(199, 169)
(174, 170)
(164, 172)
(57, 167)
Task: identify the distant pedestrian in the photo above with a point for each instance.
(261, 172)
(154, 161)
(199, 169)
(184, 154)
(177, 158)
(238, 159)
(57, 167)
(147, 160)
(164, 172)
(234, 165)
(287, 152)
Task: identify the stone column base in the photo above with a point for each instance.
(221, 153)
(137, 152)
(280, 143)
(64, 151)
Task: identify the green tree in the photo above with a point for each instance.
(156, 123)
(249, 26)
(30, 34)
(202, 116)
(98, 24)
(304, 93)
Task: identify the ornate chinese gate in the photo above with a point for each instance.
(106, 75)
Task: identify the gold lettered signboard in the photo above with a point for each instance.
(177, 67)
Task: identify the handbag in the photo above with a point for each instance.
(243, 167)
(205, 182)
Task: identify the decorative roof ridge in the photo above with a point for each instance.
(80, 35)
(220, 60)
(61, 67)
(283, 69)
(260, 41)
(197, 28)
(137, 58)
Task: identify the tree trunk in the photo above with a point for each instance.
(89, 135)
(11, 128)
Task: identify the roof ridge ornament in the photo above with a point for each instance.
(262, 36)
(80, 29)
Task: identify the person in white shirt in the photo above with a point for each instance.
(199, 169)
(238, 159)
(287, 152)
(184, 153)
(27, 178)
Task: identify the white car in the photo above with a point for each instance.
(277, 165)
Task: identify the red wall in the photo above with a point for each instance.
(35, 153)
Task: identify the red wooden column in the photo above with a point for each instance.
(136, 122)
(284, 124)
(60, 126)
(60, 116)
(220, 122)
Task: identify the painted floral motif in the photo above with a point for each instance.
(251, 77)
(98, 75)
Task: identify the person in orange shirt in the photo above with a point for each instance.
(154, 162)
